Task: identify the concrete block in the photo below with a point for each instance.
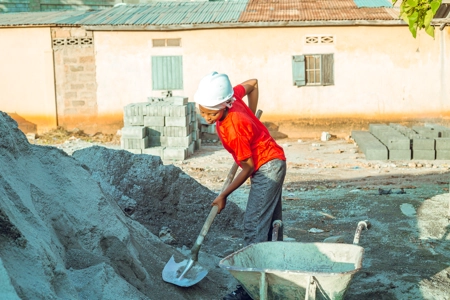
(443, 144)
(443, 154)
(154, 121)
(191, 149)
(444, 131)
(133, 120)
(424, 154)
(427, 132)
(152, 110)
(176, 131)
(377, 128)
(389, 136)
(422, 144)
(155, 130)
(195, 135)
(175, 153)
(179, 100)
(191, 107)
(198, 144)
(370, 145)
(177, 110)
(132, 143)
(155, 151)
(134, 109)
(178, 141)
(397, 143)
(178, 121)
(156, 141)
(399, 154)
(138, 132)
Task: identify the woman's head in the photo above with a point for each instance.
(214, 92)
(214, 95)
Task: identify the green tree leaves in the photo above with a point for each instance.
(418, 14)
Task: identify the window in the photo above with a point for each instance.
(166, 42)
(167, 73)
(313, 69)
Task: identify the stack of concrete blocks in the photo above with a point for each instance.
(399, 146)
(427, 142)
(372, 148)
(422, 147)
(165, 127)
(442, 142)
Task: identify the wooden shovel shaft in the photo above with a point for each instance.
(212, 214)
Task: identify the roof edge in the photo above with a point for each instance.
(243, 25)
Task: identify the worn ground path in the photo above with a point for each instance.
(330, 187)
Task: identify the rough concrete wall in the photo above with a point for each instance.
(75, 74)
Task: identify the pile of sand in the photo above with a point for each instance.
(83, 226)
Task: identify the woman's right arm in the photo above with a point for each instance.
(251, 90)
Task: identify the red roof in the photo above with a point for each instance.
(313, 10)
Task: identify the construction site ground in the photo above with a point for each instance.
(329, 188)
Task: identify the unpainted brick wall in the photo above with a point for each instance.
(75, 76)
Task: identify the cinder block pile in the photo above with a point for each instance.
(398, 142)
(165, 127)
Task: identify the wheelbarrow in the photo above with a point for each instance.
(292, 270)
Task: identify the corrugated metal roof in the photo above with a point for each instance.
(373, 3)
(313, 10)
(166, 14)
(169, 13)
(43, 18)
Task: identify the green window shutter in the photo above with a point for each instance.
(298, 70)
(327, 69)
(167, 73)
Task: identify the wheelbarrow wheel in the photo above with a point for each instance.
(239, 294)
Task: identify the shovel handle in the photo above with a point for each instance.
(212, 214)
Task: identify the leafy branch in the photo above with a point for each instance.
(418, 14)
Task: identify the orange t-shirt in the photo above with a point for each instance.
(244, 136)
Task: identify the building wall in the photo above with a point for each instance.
(75, 78)
(379, 72)
(26, 75)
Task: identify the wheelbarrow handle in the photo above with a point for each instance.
(361, 226)
(212, 214)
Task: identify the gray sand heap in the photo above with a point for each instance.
(83, 227)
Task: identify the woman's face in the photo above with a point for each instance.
(211, 116)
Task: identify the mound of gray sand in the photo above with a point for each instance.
(81, 227)
(162, 197)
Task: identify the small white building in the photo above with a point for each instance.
(320, 64)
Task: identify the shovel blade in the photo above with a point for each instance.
(172, 272)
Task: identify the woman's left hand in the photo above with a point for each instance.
(220, 201)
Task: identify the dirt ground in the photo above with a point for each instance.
(329, 188)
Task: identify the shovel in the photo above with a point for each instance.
(188, 272)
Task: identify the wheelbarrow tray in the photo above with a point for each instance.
(285, 270)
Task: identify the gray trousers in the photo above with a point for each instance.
(264, 202)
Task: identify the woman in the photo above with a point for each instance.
(254, 150)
